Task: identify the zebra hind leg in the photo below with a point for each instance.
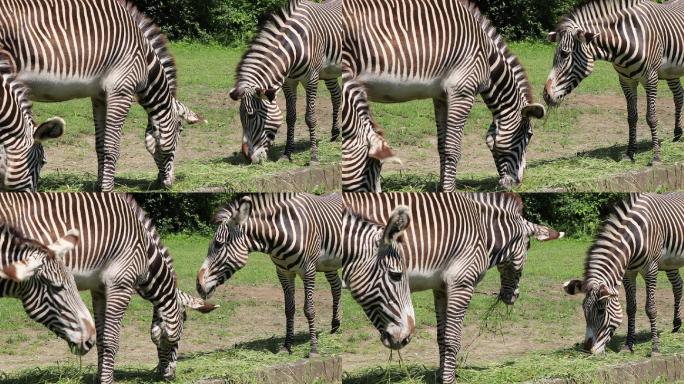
(336, 291)
(652, 117)
(651, 311)
(629, 88)
(629, 282)
(99, 309)
(117, 302)
(678, 95)
(311, 121)
(440, 313)
(309, 310)
(676, 282)
(287, 280)
(336, 98)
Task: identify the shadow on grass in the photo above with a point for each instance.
(614, 152)
(411, 374)
(87, 182)
(274, 153)
(86, 376)
(271, 344)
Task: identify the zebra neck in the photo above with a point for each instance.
(507, 80)
(269, 66)
(157, 89)
(9, 288)
(607, 260)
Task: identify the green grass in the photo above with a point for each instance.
(211, 159)
(542, 311)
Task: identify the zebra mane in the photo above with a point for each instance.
(269, 28)
(150, 229)
(512, 60)
(19, 239)
(507, 201)
(258, 203)
(589, 8)
(157, 40)
(8, 71)
(615, 220)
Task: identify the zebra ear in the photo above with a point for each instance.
(195, 303)
(606, 293)
(573, 287)
(543, 233)
(381, 151)
(244, 210)
(50, 129)
(534, 110)
(66, 243)
(237, 93)
(268, 94)
(397, 224)
(221, 216)
(586, 37)
(189, 115)
(552, 36)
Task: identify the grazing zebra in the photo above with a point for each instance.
(644, 42)
(445, 50)
(108, 51)
(643, 235)
(300, 232)
(36, 274)
(21, 151)
(120, 253)
(300, 44)
(443, 242)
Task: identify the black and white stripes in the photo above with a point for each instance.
(300, 44)
(445, 50)
(119, 254)
(642, 39)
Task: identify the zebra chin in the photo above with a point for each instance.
(508, 182)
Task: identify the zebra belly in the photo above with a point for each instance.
(424, 280)
(328, 262)
(390, 89)
(48, 88)
(670, 70)
(670, 260)
(87, 280)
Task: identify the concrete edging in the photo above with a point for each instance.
(328, 369)
(323, 179)
(667, 177)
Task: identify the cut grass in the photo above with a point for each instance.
(244, 334)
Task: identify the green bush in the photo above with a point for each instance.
(579, 215)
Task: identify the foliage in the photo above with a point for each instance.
(525, 19)
(579, 215)
(182, 212)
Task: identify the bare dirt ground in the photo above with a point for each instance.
(263, 311)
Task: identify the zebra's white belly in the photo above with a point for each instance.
(424, 280)
(670, 70)
(670, 260)
(88, 280)
(48, 88)
(328, 262)
(391, 89)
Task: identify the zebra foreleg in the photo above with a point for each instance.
(118, 105)
(459, 109)
(100, 118)
(629, 88)
(651, 277)
(287, 280)
(290, 92)
(336, 98)
(117, 302)
(652, 117)
(457, 299)
(678, 95)
(676, 282)
(440, 312)
(309, 309)
(99, 309)
(629, 282)
(311, 121)
(336, 291)
(441, 111)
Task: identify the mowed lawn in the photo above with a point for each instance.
(208, 154)
(535, 338)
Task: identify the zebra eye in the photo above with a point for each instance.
(396, 276)
(564, 53)
(217, 244)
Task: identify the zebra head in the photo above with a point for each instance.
(229, 250)
(602, 312)
(513, 256)
(46, 287)
(508, 140)
(572, 63)
(260, 117)
(377, 278)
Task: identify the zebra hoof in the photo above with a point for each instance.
(676, 325)
(627, 348)
(285, 349)
(628, 157)
(285, 158)
(335, 328)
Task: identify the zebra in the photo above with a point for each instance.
(301, 232)
(108, 51)
(21, 150)
(643, 235)
(445, 50)
(120, 253)
(300, 44)
(401, 242)
(643, 41)
(36, 274)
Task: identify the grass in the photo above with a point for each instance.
(208, 153)
(244, 334)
